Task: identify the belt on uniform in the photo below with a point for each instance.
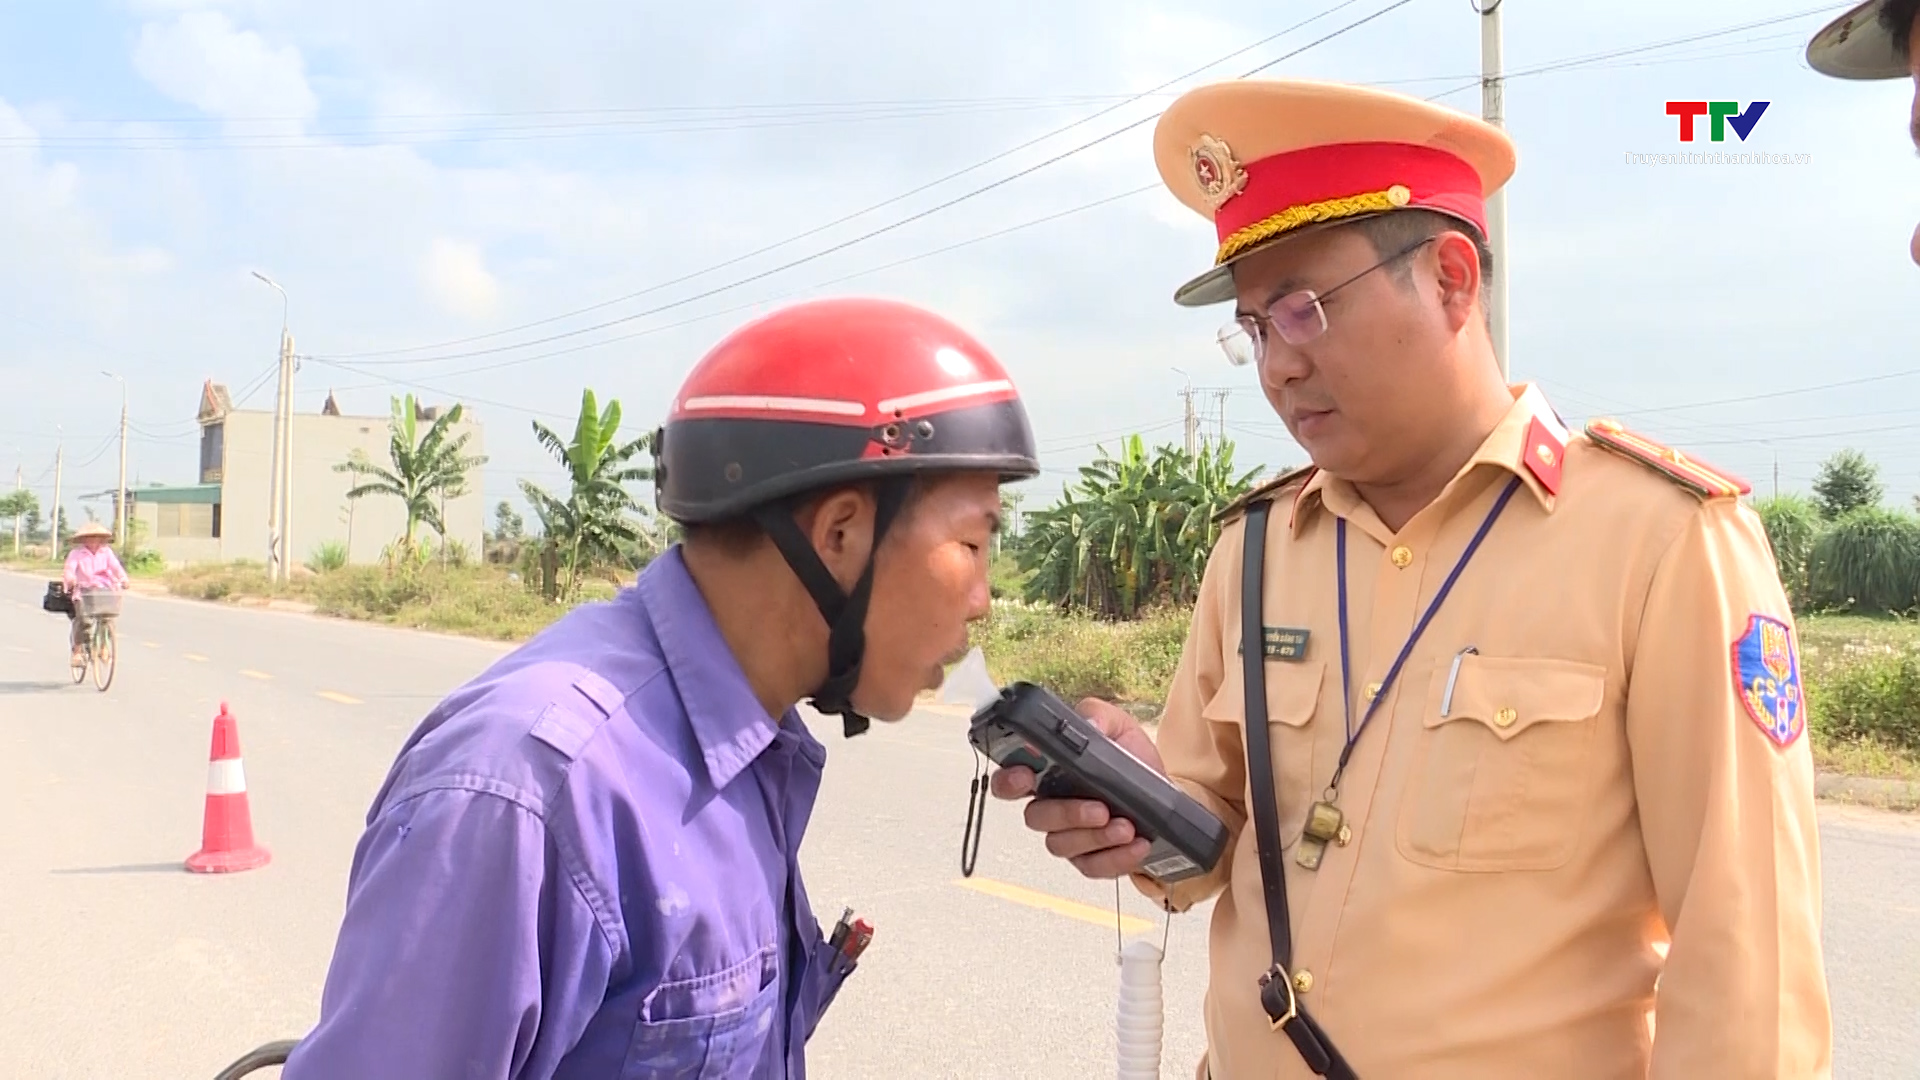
(1276, 986)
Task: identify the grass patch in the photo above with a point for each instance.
(476, 601)
(1076, 657)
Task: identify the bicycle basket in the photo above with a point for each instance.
(57, 601)
(100, 604)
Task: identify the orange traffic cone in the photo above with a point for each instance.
(226, 835)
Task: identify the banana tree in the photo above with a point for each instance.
(592, 524)
(426, 469)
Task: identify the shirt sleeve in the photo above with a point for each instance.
(465, 950)
(1716, 728)
(69, 571)
(1205, 759)
(119, 572)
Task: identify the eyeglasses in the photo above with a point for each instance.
(1297, 317)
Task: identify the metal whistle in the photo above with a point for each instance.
(1325, 825)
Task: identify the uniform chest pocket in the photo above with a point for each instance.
(1503, 773)
(1293, 696)
(709, 1028)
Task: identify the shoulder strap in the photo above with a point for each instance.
(1276, 986)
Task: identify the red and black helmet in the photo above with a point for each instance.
(822, 394)
(831, 392)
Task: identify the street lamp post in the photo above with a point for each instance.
(280, 484)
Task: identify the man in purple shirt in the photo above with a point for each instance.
(583, 865)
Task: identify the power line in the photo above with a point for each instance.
(904, 195)
(359, 367)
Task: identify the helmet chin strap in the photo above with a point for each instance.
(845, 613)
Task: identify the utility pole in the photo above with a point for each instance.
(120, 523)
(279, 499)
(53, 530)
(19, 482)
(1493, 110)
(1191, 419)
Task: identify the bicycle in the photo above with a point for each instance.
(265, 1057)
(99, 650)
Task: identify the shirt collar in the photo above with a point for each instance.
(1530, 442)
(727, 719)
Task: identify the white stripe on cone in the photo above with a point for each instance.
(226, 778)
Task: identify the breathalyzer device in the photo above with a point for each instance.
(1072, 759)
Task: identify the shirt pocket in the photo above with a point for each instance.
(1502, 773)
(710, 1028)
(1293, 696)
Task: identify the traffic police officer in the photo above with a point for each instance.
(583, 864)
(1532, 719)
(1874, 41)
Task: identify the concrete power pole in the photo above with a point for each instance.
(279, 500)
(53, 529)
(120, 523)
(1493, 110)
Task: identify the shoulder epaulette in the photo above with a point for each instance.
(1696, 476)
(1271, 487)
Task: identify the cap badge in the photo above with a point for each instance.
(1398, 195)
(1219, 174)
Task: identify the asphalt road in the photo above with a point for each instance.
(114, 962)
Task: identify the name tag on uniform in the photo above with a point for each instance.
(1282, 643)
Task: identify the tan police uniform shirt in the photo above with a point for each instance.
(1595, 864)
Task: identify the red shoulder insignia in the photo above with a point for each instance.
(1271, 487)
(1696, 476)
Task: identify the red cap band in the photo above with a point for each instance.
(1327, 183)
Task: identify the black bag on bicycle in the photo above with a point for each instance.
(57, 600)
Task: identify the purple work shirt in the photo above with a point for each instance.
(583, 867)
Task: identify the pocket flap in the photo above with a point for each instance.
(1511, 694)
(1293, 693)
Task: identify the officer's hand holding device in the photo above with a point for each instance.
(1026, 726)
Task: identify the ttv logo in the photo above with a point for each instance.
(1725, 114)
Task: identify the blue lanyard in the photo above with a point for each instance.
(1346, 656)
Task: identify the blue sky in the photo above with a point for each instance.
(423, 173)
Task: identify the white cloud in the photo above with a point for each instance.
(456, 276)
(201, 58)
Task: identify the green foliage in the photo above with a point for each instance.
(1794, 525)
(1847, 482)
(1875, 699)
(328, 557)
(15, 506)
(1076, 656)
(1135, 531)
(592, 526)
(1868, 561)
(426, 469)
(145, 562)
(507, 523)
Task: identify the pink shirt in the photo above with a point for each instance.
(93, 570)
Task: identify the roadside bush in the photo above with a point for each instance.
(328, 557)
(1874, 699)
(1869, 561)
(1793, 525)
(145, 561)
(1077, 656)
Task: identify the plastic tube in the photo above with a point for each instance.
(1137, 1027)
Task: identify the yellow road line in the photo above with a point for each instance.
(196, 658)
(251, 674)
(340, 698)
(1045, 902)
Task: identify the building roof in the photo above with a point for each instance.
(184, 493)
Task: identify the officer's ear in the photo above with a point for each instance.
(1457, 269)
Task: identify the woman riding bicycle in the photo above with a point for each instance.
(91, 565)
